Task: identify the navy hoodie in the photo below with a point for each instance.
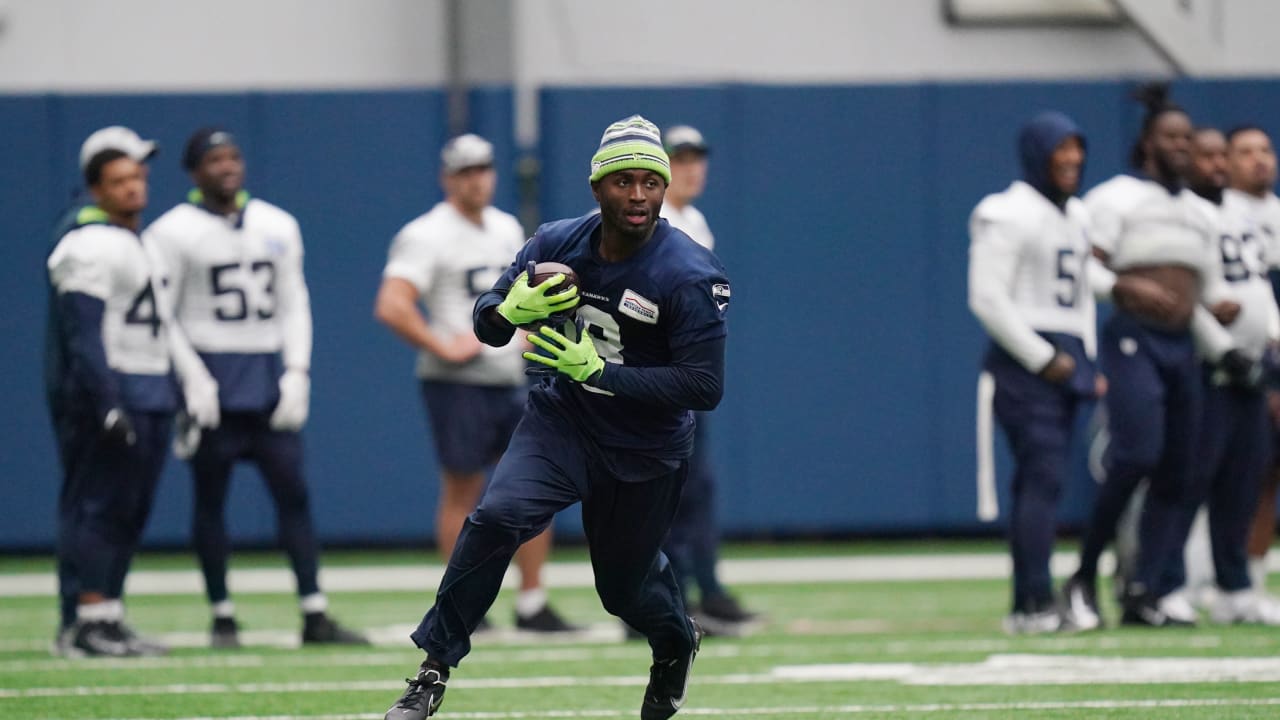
(1036, 143)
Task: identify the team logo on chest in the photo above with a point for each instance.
(638, 307)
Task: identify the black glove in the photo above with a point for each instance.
(116, 427)
(1237, 370)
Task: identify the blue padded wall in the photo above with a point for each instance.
(840, 212)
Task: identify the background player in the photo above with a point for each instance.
(1235, 433)
(114, 137)
(1030, 288)
(112, 399)
(473, 393)
(234, 265)
(1149, 233)
(612, 429)
(1251, 170)
(695, 534)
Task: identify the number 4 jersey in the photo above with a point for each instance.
(101, 274)
(236, 289)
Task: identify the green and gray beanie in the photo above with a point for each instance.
(633, 143)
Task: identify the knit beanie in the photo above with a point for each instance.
(633, 143)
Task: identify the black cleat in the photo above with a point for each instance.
(225, 634)
(1079, 604)
(425, 693)
(722, 615)
(320, 629)
(669, 682)
(545, 620)
(101, 638)
(140, 645)
(726, 607)
(64, 643)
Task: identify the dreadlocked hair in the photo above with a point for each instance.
(1154, 96)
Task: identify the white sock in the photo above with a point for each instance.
(93, 612)
(313, 603)
(530, 602)
(1258, 572)
(224, 609)
(115, 609)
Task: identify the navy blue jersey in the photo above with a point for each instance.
(659, 309)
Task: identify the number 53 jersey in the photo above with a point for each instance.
(235, 286)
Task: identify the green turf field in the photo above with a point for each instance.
(847, 649)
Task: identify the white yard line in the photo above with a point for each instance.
(425, 578)
(1019, 669)
(498, 651)
(920, 709)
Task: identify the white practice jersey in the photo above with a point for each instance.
(1138, 222)
(236, 283)
(109, 263)
(691, 222)
(1028, 272)
(1264, 213)
(451, 261)
(1241, 277)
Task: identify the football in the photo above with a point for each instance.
(541, 272)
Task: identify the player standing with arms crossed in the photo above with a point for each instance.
(1148, 230)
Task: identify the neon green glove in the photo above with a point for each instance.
(575, 358)
(525, 304)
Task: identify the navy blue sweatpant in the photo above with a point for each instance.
(1235, 451)
(628, 503)
(1037, 418)
(278, 455)
(1153, 416)
(107, 492)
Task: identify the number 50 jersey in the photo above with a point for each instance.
(236, 288)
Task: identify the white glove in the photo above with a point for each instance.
(200, 393)
(186, 436)
(295, 401)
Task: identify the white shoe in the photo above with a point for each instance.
(1079, 605)
(1037, 623)
(1202, 596)
(1267, 609)
(1178, 608)
(1245, 606)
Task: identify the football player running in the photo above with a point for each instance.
(611, 427)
